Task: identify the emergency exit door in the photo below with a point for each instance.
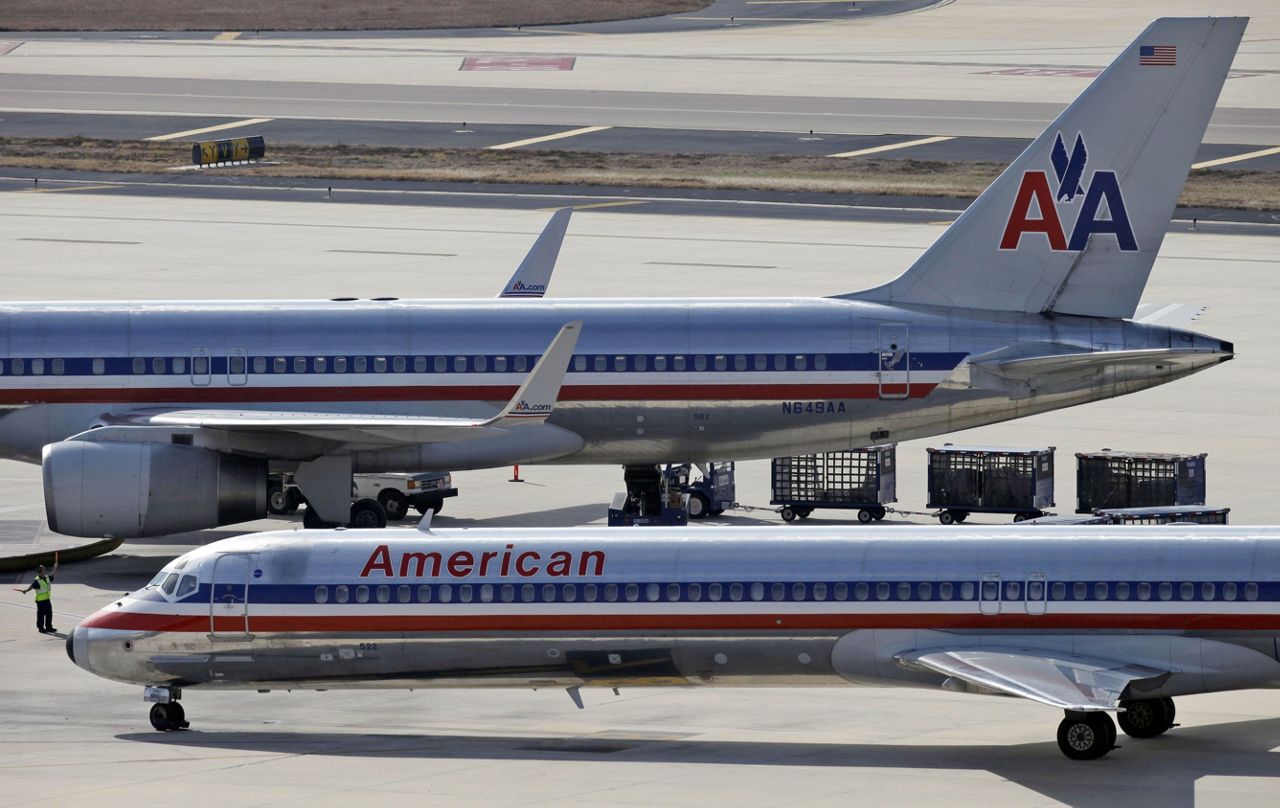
(229, 596)
(894, 372)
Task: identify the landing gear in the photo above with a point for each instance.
(166, 717)
(1146, 718)
(1086, 736)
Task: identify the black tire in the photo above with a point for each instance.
(1020, 517)
(1086, 736)
(946, 518)
(698, 505)
(879, 514)
(294, 500)
(1170, 711)
(865, 516)
(788, 513)
(436, 505)
(394, 503)
(804, 513)
(716, 511)
(312, 521)
(163, 717)
(960, 515)
(1144, 718)
(277, 499)
(367, 513)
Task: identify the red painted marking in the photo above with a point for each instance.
(577, 392)
(1035, 185)
(518, 63)
(131, 621)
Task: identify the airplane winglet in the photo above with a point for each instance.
(536, 398)
(533, 275)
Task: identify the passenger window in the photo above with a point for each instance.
(721, 363)
(259, 364)
(362, 594)
(318, 363)
(379, 364)
(398, 364)
(1100, 591)
(599, 364)
(579, 363)
(299, 364)
(486, 593)
(360, 364)
(861, 591)
(677, 363)
(1058, 591)
(37, 367)
(507, 593)
(966, 590)
(459, 364)
(1228, 591)
(619, 364)
(797, 591)
(589, 593)
(1079, 591)
(58, 367)
(673, 592)
(570, 593)
(779, 362)
(632, 593)
(384, 594)
(819, 591)
(419, 364)
(1122, 591)
(99, 367)
(802, 362)
(904, 591)
(820, 362)
(990, 590)
(139, 366)
(842, 591)
(528, 593)
(1187, 591)
(659, 363)
(180, 366)
(1035, 590)
(1012, 591)
(1144, 591)
(522, 364)
(882, 591)
(735, 591)
(322, 594)
(424, 594)
(757, 591)
(200, 365)
(760, 362)
(1166, 590)
(739, 362)
(611, 592)
(186, 586)
(237, 365)
(714, 591)
(1207, 592)
(402, 594)
(778, 592)
(642, 363)
(339, 364)
(480, 364)
(548, 593)
(1250, 591)
(652, 592)
(465, 593)
(169, 583)
(499, 364)
(699, 362)
(341, 594)
(946, 590)
(694, 592)
(439, 364)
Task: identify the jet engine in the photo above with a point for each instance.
(130, 490)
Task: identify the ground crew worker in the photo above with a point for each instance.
(43, 585)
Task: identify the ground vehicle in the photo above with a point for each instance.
(711, 494)
(987, 479)
(861, 479)
(396, 492)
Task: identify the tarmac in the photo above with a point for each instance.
(69, 737)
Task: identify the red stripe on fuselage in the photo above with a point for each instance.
(134, 621)
(577, 392)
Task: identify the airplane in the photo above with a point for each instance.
(1022, 306)
(1090, 620)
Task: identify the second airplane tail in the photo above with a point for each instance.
(1074, 224)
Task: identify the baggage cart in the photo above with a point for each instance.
(857, 479)
(989, 479)
(1111, 480)
(1166, 515)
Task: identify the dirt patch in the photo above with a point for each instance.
(320, 15)
(1248, 190)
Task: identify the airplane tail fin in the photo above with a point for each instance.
(533, 275)
(1074, 224)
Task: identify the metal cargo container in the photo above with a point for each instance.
(861, 479)
(988, 479)
(1109, 480)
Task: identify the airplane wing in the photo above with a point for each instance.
(1068, 681)
(534, 273)
(533, 402)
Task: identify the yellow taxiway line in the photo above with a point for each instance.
(1222, 161)
(924, 141)
(545, 138)
(218, 128)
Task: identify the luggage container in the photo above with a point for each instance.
(1167, 515)
(857, 479)
(988, 479)
(1112, 480)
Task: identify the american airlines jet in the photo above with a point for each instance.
(1089, 620)
(1026, 304)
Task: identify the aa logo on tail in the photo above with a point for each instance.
(1051, 209)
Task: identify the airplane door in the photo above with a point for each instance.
(1036, 587)
(229, 598)
(894, 373)
(237, 367)
(989, 594)
(200, 370)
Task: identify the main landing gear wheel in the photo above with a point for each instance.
(1146, 718)
(1086, 736)
(367, 513)
(699, 506)
(167, 717)
(394, 503)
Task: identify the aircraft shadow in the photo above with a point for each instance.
(1161, 771)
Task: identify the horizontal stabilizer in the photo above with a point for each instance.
(1169, 315)
(1026, 376)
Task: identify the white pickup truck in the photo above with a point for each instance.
(395, 491)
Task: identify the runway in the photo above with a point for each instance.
(75, 739)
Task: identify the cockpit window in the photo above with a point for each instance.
(169, 583)
(186, 586)
(159, 579)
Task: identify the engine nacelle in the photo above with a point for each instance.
(130, 490)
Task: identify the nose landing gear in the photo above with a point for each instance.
(166, 713)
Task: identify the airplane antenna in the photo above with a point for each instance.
(424, 524)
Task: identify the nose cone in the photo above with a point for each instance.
(71, 648)
(78, 647)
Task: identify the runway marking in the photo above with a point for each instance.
(218, 128)
(1222, 161)
(698, 264)
(795, 2)
(764, 19)
(395, 252)
(74, 241)
(8, 47)
(59, 190)
(924, 141)
(227, 36)
(545, 138)
(617, 204)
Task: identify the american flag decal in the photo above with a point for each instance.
(1158, 55)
